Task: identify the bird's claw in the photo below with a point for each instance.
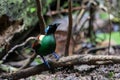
(56, 56)
(45, 62)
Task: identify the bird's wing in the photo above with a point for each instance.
(36, 44)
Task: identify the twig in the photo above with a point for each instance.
(58, 8)
(91, 33)
(64, 62)
(69, 28)
(7, 68)
(17, 46)
(30, 60)
(64, 11)
(58, 5)
(77, 33)
(79, 17)
(50, 13)
(40, 16)
(110, 29)
(83, 24)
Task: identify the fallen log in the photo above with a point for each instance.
(64, 62)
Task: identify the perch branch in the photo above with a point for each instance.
(64, 62)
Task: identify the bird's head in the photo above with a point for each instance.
(52, 28)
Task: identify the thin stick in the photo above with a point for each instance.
(109, 45)
(69, 28)
(17, 46)
(65, 10)
(58, 8)
(58, 5)
(30, 60)
(91, 33)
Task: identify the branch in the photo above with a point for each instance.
(64, 62)
(7, 68)
(69, 28)
(40, 16)
(17, 46)
(64, 11)
(30, 60)
(91, 33)
(58, 5)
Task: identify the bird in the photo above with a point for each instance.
(46, 44)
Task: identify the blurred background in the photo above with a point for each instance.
(96, 26)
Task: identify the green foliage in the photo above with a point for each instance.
(33, 9)
(111, 74)
(46, 4)
(116, 20)
(76, 4)
(7, 68)
(22, 9)
(27, 50)
(19, 9)
(3, 4)
(115, 36)
(104, 15)
(33, 78)
(73, 4)
(1, 49)
(65, 5)
(38, 61)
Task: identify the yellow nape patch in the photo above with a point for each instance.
(41, 37)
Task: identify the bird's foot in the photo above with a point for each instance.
(56, 56)
(51, 69)
(45, 62)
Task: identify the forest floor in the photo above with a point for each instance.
(82, 72)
